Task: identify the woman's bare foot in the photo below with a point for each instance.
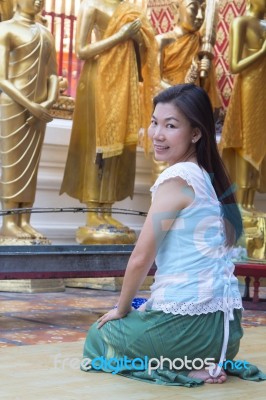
(204, 375)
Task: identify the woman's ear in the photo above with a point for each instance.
(196, 135)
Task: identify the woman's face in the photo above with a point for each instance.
(172, 134)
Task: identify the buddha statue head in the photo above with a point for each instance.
(190, 14)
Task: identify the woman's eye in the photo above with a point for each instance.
(170, 126)
(153, 123)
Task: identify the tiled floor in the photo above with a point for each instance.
(42, 336)
(27, 319)
(51, 317)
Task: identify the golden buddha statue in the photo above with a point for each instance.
(6, 9)
(181, 54)
(28, 89)
(180, 50)
(100, 166)
(243, 141)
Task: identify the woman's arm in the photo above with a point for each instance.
(172, 196)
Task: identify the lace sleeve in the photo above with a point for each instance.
(172, 172)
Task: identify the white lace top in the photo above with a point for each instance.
(194, 270)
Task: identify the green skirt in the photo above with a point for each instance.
(160, 348)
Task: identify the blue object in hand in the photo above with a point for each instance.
(137, 302)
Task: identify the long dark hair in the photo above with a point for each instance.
(195, 104)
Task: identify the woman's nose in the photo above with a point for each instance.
(158, 132)
(154, 131)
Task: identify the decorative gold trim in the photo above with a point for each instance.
(63, 108)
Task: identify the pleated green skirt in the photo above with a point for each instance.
(126, 346)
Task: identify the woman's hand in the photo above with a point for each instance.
(110, 316)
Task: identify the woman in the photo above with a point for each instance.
(194, 311)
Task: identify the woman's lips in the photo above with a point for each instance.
(160, 148)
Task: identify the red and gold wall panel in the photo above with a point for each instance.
(228, 9)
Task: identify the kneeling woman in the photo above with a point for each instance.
(192, 319)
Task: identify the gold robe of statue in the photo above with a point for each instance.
(177, 58)
(28, 88)
(100, 167)
(244, 134)
(243, 141)
(244, 125)
(21, 145)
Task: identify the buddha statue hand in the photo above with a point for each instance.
(39, 112)
(130, 30)
(205, 65)
(193, 72)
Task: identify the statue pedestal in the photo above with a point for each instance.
(97, 267)
(32, 285)
(254, 238)
(112, 284)
(29, 285)
(105, 235)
